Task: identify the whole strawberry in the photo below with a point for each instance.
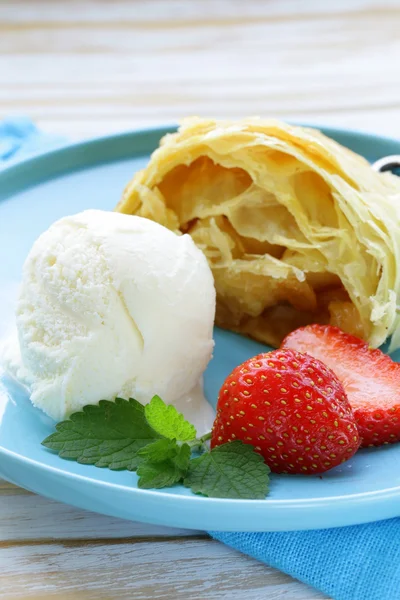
(291, 408)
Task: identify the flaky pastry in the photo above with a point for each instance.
(296, 228)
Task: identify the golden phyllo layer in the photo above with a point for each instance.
(296, 228)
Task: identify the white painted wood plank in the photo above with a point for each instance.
(177, 11)
(28, 517)
(110, 66)
(50, 550)
(161, 570)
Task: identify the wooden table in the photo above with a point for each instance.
(84, 68)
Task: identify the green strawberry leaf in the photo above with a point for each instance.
(167, 421)
(108, 435)
(164, 473)
(232, 470)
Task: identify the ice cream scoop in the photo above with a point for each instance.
(113, 305)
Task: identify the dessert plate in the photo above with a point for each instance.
(36, 192)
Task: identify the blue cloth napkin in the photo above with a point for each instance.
(20, 138)
(348, 563)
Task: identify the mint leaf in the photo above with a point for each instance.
(182, 458)
(107, 435)
(159, 451)
(167, 421)
(232, 470)
(164, 473)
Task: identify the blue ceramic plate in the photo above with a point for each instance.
(38, 191)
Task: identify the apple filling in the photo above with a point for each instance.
(269, 278)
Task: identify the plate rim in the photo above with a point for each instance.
(103, 483)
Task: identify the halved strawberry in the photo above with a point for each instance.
(370, 378)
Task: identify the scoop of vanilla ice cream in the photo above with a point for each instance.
(112, 305)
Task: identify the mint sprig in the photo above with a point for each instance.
(158, 442)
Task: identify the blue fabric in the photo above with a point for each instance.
(349, 563)
(20, 138)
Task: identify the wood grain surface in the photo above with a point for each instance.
(87, 68)
(52, 551)
(83, 68)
